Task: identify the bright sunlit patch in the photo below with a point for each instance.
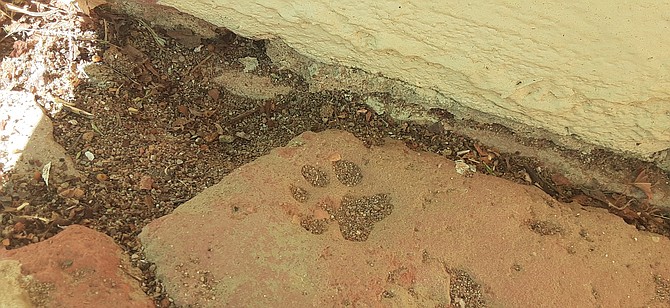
(19, 116)
(46, 47)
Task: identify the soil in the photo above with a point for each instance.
(149, 128)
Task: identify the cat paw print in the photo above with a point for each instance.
(355, 215)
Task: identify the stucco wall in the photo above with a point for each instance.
(597, 69)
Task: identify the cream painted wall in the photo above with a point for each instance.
(597, 69)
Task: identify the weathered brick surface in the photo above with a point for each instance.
(412, 231)
(79, 267)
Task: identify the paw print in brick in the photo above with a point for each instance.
(355, 215)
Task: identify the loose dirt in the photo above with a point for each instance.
(145, 116)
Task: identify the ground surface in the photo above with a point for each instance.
(160, 115)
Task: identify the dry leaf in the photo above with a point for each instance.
(146, 182)
(180, 122)
(135, 54)
(76, 193)
(211, 137)
(485, 155)
(148, 201)
(219, 129)
(196, 112)
(151, 69)
(641, 177)
(480, 151)
(102, 177)
(87, 5)
(186, 37)
(88, 136)
(643, 184)
(645, 188)
(560, 180)
(19, 227)
(214, 94)
(45, 173)
(182, 109)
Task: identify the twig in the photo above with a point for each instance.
(106, 42)
(78, 111)
(69, 106)
(199, 64)
(96, 129)
(29, 13)
(660, 216)
(620, 208)
(106, 29)
(242, 116)
(5, 13)
(35, 217)
(159, 40)
(53, 33)
(125, 76)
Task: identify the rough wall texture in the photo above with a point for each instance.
(596, 70)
